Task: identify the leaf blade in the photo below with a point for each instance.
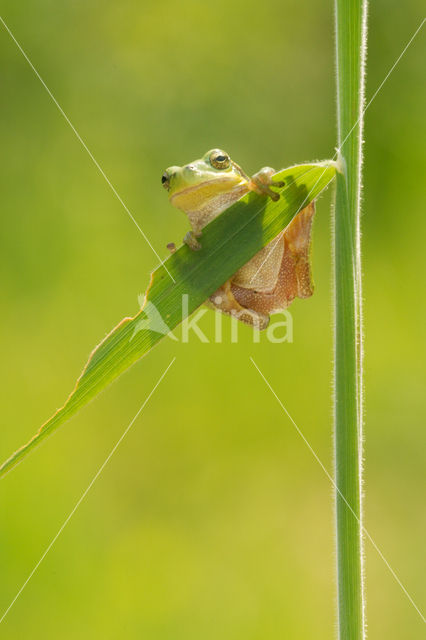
(228, 242)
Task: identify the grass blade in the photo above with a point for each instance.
(228, 242)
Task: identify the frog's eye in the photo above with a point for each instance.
(165, 180)
(220, 160)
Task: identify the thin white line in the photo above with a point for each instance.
(95, 477)
(384, 80)
(341, 145)
(279, 235)
(339, 492)
(79, 138)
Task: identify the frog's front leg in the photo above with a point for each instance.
(262, 182)
(190, 239)
(223, 299)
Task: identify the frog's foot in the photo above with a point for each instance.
(191, 240)
(223, 300)
(262, 182)
(171, 247)
(256, 320)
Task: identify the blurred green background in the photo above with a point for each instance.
(212, 519)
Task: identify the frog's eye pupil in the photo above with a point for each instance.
(220, 161)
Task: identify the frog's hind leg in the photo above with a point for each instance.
(223, 299)
(298, 240)
(294, 277)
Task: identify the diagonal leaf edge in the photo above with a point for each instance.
(228, 242)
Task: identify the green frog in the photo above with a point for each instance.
(279, 272)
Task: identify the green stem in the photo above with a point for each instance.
(350, 58)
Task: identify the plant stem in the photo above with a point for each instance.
(350, 59)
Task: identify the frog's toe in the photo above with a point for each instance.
(266, 190)
(192, 241)
(273, 195)
(256, 320)
(262, 181)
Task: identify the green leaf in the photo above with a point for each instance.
(228, 242)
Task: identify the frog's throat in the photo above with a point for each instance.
(202, 203)
(207, 189)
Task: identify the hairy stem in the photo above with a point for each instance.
(350, 60)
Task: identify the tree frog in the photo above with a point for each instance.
(279, 272)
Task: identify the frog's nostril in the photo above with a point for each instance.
(165, 180)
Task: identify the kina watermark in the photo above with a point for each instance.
(227, 327)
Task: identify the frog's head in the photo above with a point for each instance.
(205, 183)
